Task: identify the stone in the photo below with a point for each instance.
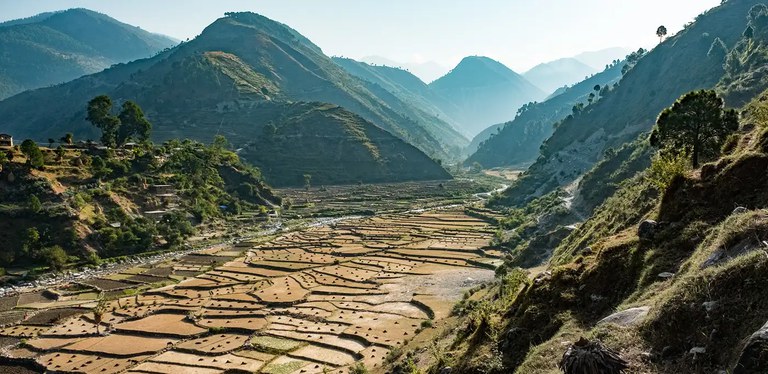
(627, 317)
(666, 275)
(721, 254)
(446, 370)
(647, 229)
(739, 210)
(754, 357)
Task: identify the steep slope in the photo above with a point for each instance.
(552, 75)
(655, 82)
(484, 92)
(199, 96)
(334, 146)
(667, 271)
(518, 141)
(292, 64)
(408, 89)
(56, 47)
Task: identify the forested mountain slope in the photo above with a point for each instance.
(56, 47)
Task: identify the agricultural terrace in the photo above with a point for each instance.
(310, 301)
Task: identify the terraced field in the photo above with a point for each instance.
(307, 302)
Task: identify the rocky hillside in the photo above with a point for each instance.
(484, 92)
(657, 266)
(656, 81)
(53, 48)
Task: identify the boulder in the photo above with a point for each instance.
(627, 317)
(666, 275)
(647, 229)
(754, 356)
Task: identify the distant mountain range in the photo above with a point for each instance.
(56, 47)
(483, 92)
(516, 143)
(598, 59)
(426, 71)
(264, 86)
(555, 74)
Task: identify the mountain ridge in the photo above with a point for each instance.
(56, 47)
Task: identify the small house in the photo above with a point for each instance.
(6, 140)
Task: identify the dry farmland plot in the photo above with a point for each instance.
(307, 302)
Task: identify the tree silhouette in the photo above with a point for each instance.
(132, 122)
(98, 313)
(661, 32)
(99, 114)
(67, 139)
(697, 124)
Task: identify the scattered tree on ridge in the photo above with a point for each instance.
(661, 32)
(116, 130)
(697, 123)
(35, 157)
(100, 115)
(132, 122)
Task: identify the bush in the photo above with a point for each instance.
(55, 257)
(665, 167)
(34, 204)
(358, 368)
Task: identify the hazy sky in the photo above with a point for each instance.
(519, 33)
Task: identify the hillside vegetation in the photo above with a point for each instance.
(53, 48)
(79, 204)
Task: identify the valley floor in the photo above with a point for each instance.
(309, 301)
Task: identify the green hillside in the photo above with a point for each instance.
(483, 92)
(56, 47)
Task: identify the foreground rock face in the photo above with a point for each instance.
(754, 357)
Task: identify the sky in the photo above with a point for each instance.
(519, 33)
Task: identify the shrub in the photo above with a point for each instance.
(55, 257)
(665, 167)
(358, 368)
